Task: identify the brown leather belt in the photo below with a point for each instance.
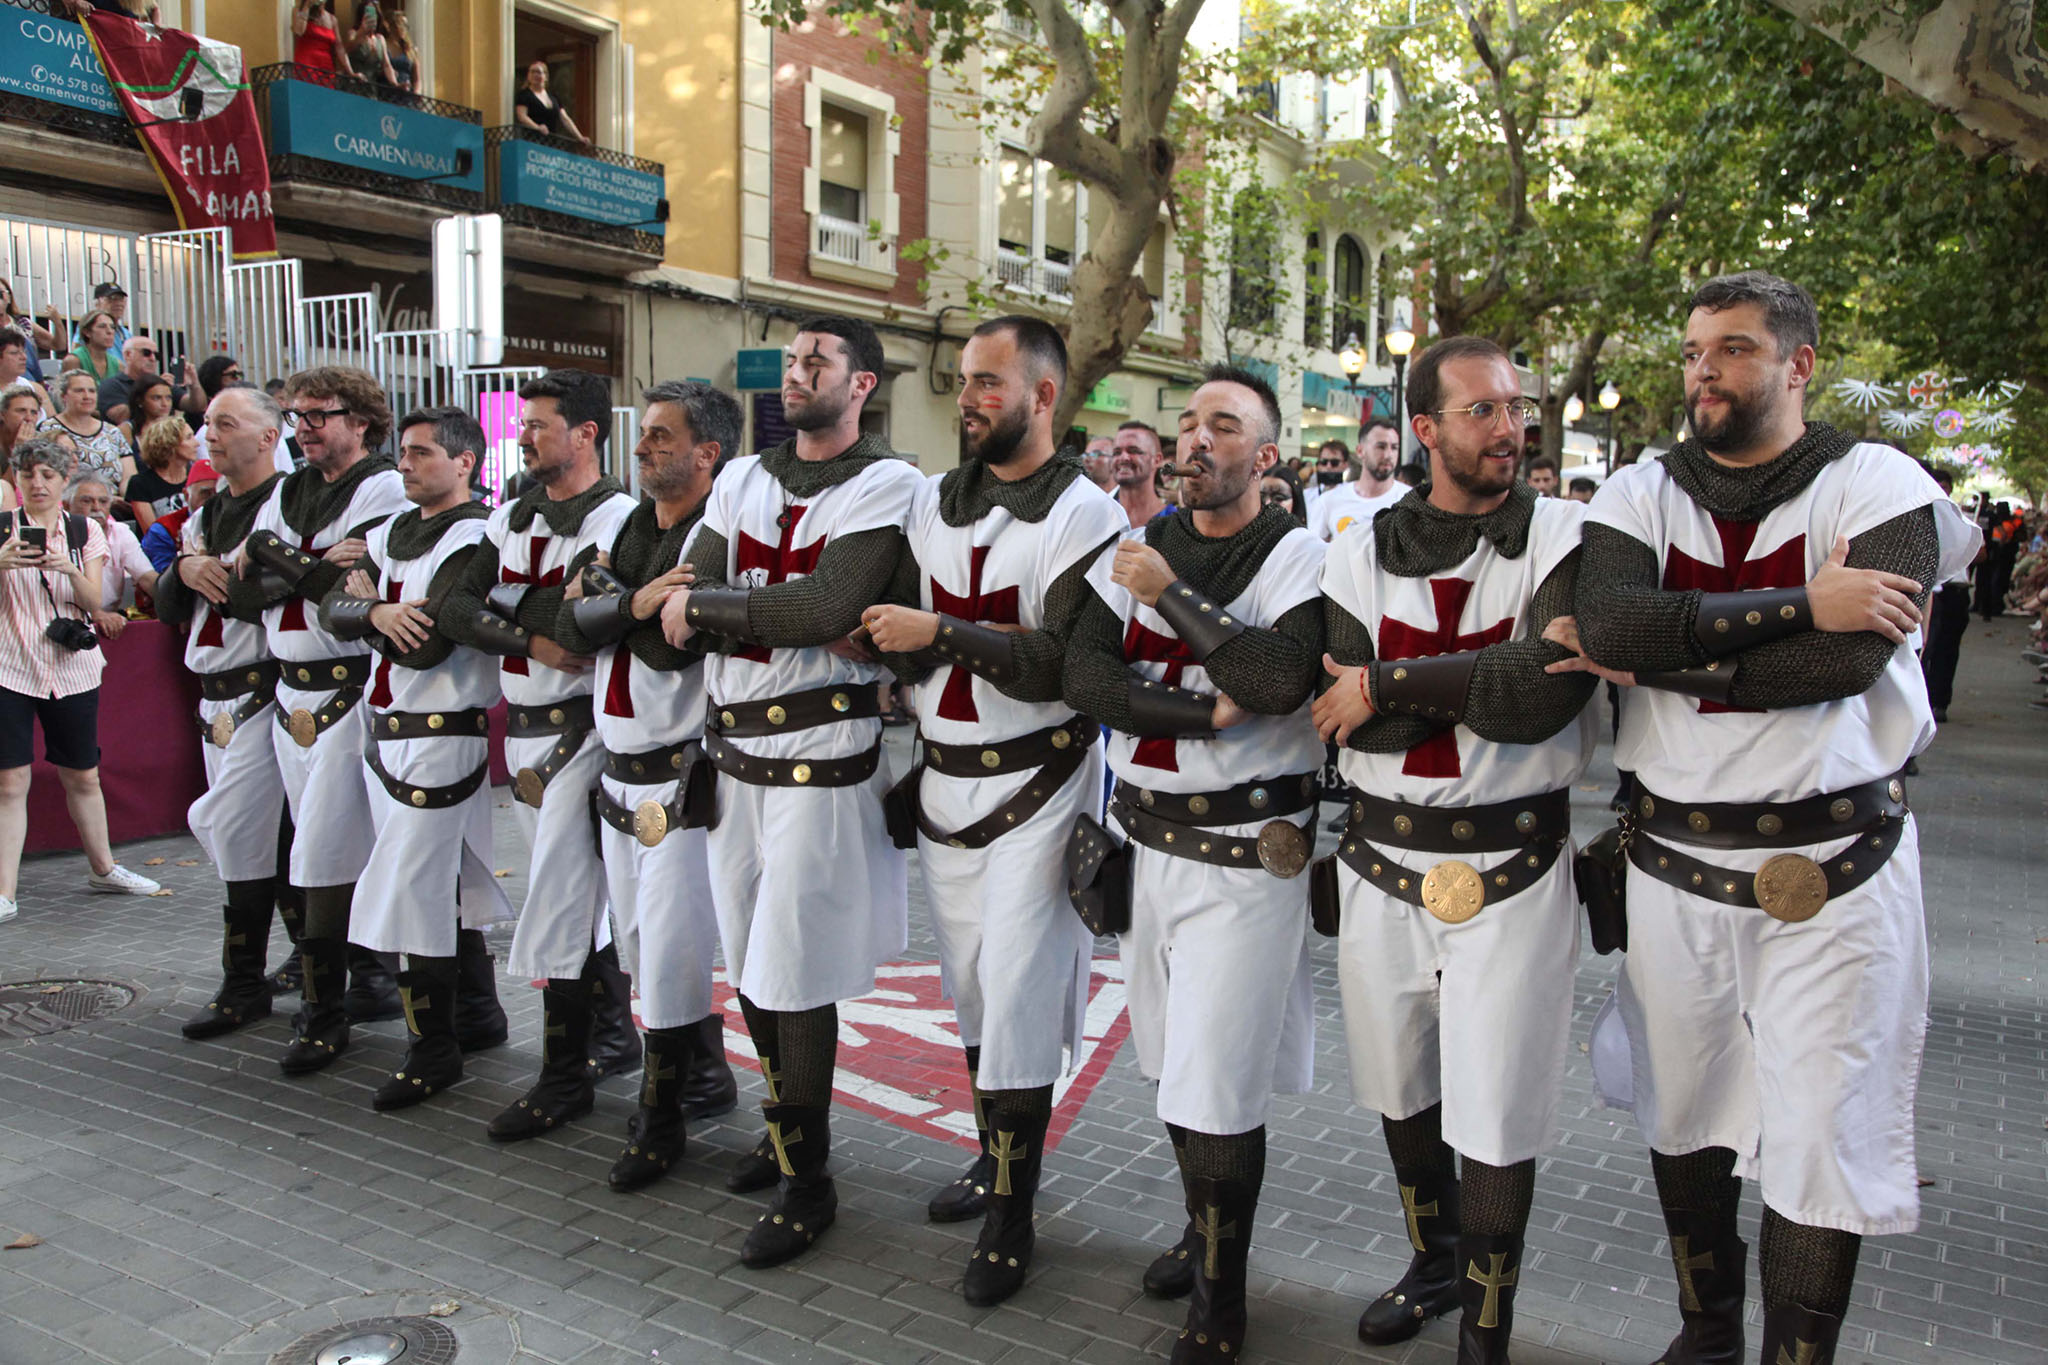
(316, 675)
(570, 715)
(1281, 847)
(230, 683)
(651, 765)
(1772, 824)
(305, 727)
(429, 724)
(418, 797)
(1459, 829)
(1056, 754)
(797, 711)
(220, 731)
(791, 772)
(1451, 890)
(649, 821)
(1239, 805)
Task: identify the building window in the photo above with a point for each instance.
(1348, 291)
(1385, 312)
(842, 182)
(1253, 243)
(1312, 291)
(1038, 225)
(849, 181)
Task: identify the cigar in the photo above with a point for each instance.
(1179, 471)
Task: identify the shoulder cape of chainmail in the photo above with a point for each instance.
(226, 518)
(1221, 566)
(412, 535)
(565, 518)
(1750, 492)
(310, 501)
(1415, 537)
(966, 494)
(808, 478)
(644, 551)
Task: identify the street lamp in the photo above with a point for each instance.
(1399, 342)
(1610, 399)
(1574, 409)
(1352, 359)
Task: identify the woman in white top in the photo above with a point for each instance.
(100, 443)
(45, 578)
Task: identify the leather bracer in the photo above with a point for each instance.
(721, 612)
(1201, 623)
(504, 598)
(1159, 711)
(1710, 682)
(493, 634)
(266, 550)
(603, 619)
(1434, 688)
(348, 618)
(981, 651)
(1730, 622)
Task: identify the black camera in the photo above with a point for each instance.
(76, 636)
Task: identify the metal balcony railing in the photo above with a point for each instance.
(286, 166)
(1034, 275)
(842, 240)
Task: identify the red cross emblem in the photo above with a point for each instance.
(294, 617)
(957, 701)
(1437, 756)
(1784, 567)
(380, 690)
(536, 551)
(1145, 646)
(618, 691)
(779, 562)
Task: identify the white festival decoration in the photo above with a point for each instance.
(1904, 421)
(1864, 394)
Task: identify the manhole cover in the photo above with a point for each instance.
(29, 1009)
(373, 1341)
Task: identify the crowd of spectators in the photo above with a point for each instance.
(375, 49)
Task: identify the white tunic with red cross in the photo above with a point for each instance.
(1482, 601)
(217, 643)
(540, 557)
(406, 899)
(293, 625)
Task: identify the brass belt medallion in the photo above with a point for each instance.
(1283, 848)
(223, 729)
(1791, 887)
(529, 787)
(1453, 891)
(304, 729)
(650, 823)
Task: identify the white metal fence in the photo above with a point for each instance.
(492, 396)
(338, 329)
(180, 294)
(264, 299)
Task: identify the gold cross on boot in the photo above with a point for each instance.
(773, 1078)
(782, 1141)
(1004, 1150)
(1686, 1263)
(1806, 1350)
(413, 1004)
(1416, 1213)
(652, 1074)
(1213, 1230)
(1494, 1281)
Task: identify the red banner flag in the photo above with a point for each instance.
(197, 122)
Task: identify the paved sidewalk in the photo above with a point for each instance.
(194, 1205)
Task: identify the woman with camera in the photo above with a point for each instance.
(50, 665)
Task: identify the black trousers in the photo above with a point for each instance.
(1948, 618)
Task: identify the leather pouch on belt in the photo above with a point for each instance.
(700, 795)
(1099, 878)
(900, 808)
(1325, 908)
(1600, 873)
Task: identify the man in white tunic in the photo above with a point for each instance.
(654, 796)
(1198, 646)
(997, 561)
(1758, 585)
(796, 542)
(307, 536)
(428, 758)
(1350, 505)
(508, 604)
(1457, 924)
(236, 821)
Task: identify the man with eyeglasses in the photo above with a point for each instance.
(307, 536)
(1457, 926)
(1354, 504)
(1754, 592)
(1134, 462)
(139, 361)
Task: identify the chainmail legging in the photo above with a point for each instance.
(800, 1047)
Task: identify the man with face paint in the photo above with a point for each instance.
(1198, 645)
(1758, 586)
(795, 543)
(509, 603)
(1458, 928)
(997, 559)
(653, 796)
(1352, 505)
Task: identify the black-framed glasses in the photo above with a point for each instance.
(313, 418)
(1486, 412)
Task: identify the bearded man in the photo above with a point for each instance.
(1353, 504)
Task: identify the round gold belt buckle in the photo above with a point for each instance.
(1283, 848)
(650, 823)
(1453, 891)
(223, 729)
(529, 787)
(304, 729)
(1791, 887)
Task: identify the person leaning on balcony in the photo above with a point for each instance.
(316, 37)
(368, 53)
(399, 53)
(534, 108)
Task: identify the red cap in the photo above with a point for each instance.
(201, 472)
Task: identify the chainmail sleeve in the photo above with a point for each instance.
(1040, 656)
(1627, 621)
(825, 606)
(652, 648)
(1815, 666)
(1271, 671)
(1097, 682)
(458, 615)
(1511, 699)
(1350, 643)
(903, 591)
(706, 558)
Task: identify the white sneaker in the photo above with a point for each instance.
(8, 909)
(121, 882)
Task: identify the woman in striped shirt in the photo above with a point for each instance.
(43, 681)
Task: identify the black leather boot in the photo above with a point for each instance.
(320, 1028)
(1492, 1265)
(1430, 1288)
(291, 909)
(1799, 1336)
(564, 1091)
(1002, 1253)
(244, 994)
(433, 1060)
(1172, 1272)
(614, 1041)
(479, 1019)
(967, 1196)
(372, 987)
(806, 1202)
(709, 1087)
(755, 1170)
(657, 1128)
(1710, 1260)
(1224, 1211)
